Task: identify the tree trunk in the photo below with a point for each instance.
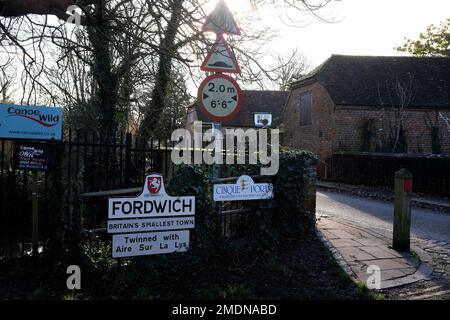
(106, 95)
(157, 105)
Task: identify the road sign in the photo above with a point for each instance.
(221, 58)
(220, 97)
(143, 244)
(152, 203)
(221, 21)
(173, 215)
(27, 122)
(244, 189)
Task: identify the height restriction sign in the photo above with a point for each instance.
(220, 97)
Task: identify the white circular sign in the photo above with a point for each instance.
(220, 97)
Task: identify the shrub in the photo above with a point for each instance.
(192, 181)
(294, 189)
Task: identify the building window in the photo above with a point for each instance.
(305, 109)
(263, 119)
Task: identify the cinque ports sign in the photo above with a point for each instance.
(244, 189)
(29, 122)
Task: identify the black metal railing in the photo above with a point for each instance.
(95, 161)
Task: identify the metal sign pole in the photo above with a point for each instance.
(216, 174)
(216, 167)
(35, 214)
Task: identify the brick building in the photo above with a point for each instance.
(370, 104)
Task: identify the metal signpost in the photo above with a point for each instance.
(151, 223)
(219, 96)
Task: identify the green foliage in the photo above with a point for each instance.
(361, 288)
(97, 253)
(291, 214)
(279, 267)
(39, 294)
(235, 292)
(229, 292)
(294, 203)
(208, 294)
(70, 297)
(434, 42)
(336, 269)
(192, 181)
(329, 296)
(142, 293)
(377, 296)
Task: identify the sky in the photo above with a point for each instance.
(364, 27)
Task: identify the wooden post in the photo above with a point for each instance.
(402, 213)
(35, 214)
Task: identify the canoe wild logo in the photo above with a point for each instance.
(35, 115)
(154, 184)
(30, 152)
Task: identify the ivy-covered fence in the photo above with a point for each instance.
(291, 213)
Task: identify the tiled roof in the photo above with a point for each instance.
(372, 81)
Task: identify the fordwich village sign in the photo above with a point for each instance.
(152, 223)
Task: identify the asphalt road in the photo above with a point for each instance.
(426, 224)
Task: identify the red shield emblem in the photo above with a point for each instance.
(154, 184)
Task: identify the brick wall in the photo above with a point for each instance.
(318, 138)
(337, 128)
(417, 126)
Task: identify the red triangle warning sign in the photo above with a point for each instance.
(221, 58)
(221, 21)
